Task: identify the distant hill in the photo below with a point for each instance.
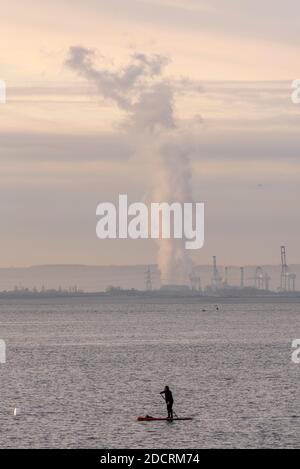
(98, 278)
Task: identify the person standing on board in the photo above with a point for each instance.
(169, 401)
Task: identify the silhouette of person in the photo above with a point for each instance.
(169, 401)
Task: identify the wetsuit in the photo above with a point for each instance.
(169, 402)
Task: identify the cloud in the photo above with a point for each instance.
(64, 147)
(121, 85)
(208, 144)
(247, 19)
(193, 5)
(154, 108)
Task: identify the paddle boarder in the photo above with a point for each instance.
(169, 401)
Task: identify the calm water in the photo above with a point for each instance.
(81, 374)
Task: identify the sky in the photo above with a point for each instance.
(68, 143)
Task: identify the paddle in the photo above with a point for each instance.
(173, 410)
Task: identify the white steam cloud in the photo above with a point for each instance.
(147, 97)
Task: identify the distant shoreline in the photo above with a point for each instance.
(95, 279)
(150, 298)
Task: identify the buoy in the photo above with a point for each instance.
(17, 411)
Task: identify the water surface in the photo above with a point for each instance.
(82, 373)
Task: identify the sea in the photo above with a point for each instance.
(77, 374)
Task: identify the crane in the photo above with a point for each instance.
(216, 279)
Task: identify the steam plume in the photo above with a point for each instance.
(147, 97)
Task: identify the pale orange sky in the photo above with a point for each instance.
(62, 151)
(207, 40)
